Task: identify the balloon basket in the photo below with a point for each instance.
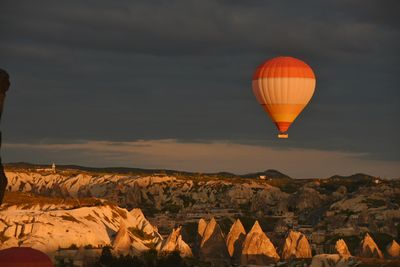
(283, 136)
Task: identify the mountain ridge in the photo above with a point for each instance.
(269, 173)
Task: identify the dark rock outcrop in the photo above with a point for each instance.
(213, 245)
(4, 85)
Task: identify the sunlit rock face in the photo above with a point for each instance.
(331, 260)
(393, 250)
(257, 248)
(235, 238)
(213, 245)
(201, 227)
(296, 246)
(130, 190)
(369, 249)
(174, 242)
(342, 249)
(122, 242)
(48, 227)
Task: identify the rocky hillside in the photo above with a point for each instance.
(322, 211)
(49, 226)
(337, 200)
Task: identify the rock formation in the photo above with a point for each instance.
(393, 250)
(235, 238)
(331, 260)
(122, 242)
(142, 224)
(49, 227)
(281, 227)
(174, 242)
(369, 249)
(4, 85)
(342, 249)
(296, 246)
(201, 227)
(306, 198)
(212, 245)
(257, 248)
(271, 200)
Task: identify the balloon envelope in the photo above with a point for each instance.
(24, 257)
(283, 86)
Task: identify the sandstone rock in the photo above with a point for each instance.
(393, 250)
(142, 224)
(271, 199)
(369, 249)
(212, 245)
(306, 198)
(174, 242)
(240, 194)
(122, 242)
(331, 260)
(342, 249)
(296, 246)
(257, 248)
(56, 228)
(201, 227)
(235, 238)
(281, 227)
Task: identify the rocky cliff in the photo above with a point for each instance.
(48, 227)
(327, 200)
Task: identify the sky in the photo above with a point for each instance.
(167, 84)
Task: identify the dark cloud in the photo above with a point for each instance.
(126, 70)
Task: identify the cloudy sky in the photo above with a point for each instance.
(167, 84)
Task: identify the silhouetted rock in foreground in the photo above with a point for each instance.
(4, 85)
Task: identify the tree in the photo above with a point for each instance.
(106, 257)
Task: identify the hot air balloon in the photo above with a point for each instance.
(283, 86)
(24, 257)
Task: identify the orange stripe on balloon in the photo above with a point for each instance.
(284, 67)
(285, 108)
